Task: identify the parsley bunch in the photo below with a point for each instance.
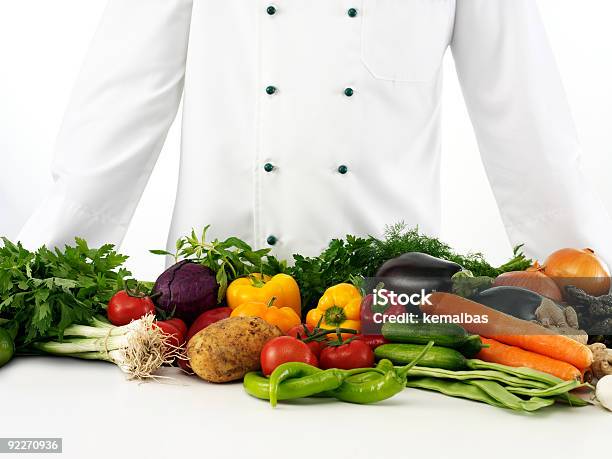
(43, 292)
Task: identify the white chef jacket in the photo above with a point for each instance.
(310, 119)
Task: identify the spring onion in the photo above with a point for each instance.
(139, 349)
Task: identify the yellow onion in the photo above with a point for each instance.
(533, 279)
(580, 268)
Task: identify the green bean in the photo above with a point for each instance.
(501, 394)
(561, 388)
(491, 375)
(521, 372)
(454, 389)
(572, 400)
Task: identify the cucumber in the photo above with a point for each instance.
(436, 357)
(447, 335)
(471, 346)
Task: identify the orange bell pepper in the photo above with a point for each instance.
(339, 307)
(261, 288)
(284, 318)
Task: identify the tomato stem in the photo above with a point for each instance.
(323, 333)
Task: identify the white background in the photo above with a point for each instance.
(101, 416)
(43, 43)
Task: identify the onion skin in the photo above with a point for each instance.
(535, 280)
(580, 268)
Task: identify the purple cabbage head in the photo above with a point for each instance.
(188, 289)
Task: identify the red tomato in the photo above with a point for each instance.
(299, 333)
(208, 318)
(179, 324)
(285, 349)
(373, 340)
(123, 308)
(169, 329)
(355, 354)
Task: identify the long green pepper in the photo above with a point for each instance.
(294, 380)
(298, 370)
(385, 386)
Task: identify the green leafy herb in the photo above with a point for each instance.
(345, 259)
(340, 262)
(399, 239)
(43, 292)
(229, 259)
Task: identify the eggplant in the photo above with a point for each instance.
(514, 301)
(414, 272)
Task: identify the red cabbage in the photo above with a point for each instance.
(188, 289)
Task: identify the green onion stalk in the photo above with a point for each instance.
(139, 349)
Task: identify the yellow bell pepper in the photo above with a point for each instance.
(261, 289)
(284, 318)
(339, 307)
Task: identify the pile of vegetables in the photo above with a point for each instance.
(227, 312)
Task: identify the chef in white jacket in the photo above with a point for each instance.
(305, 120)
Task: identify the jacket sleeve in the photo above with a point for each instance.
(124, 102)
(524, 128)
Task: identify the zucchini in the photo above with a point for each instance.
(447, 335)
(436, 357)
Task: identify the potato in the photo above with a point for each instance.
(227, 350)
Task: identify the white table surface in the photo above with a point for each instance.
(100, 414)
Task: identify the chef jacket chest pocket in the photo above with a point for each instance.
(405, 40)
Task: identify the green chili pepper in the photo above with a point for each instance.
(257, 385)
(383, 365)
(381, 388)
(372, 390)
(362, 385)
(297, 370)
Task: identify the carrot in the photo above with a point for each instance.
(516, 357)
(510, 330)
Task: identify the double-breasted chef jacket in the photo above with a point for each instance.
(305, 120)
